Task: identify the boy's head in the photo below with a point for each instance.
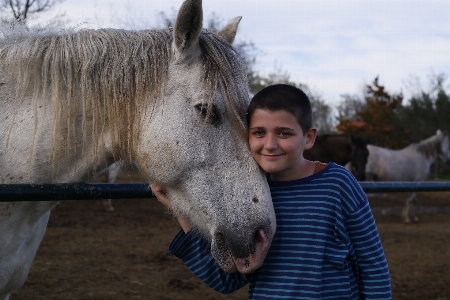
(280, 129)
(285, 97)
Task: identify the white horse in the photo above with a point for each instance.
(411, 163)
(172, 101)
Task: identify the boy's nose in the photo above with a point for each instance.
(270, 142)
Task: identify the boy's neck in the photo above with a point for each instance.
(303, 169)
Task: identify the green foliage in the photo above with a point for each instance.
(380, 115)
(322, 116)
(427, 111)
(349, 107)
(377, 116)
(443, 110)
(384, 119)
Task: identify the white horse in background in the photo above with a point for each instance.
(411, 163)
(111, 173)
(171, 101)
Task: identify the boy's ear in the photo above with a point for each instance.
(310, 138)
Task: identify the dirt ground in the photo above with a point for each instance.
(88, 253)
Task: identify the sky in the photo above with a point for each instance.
(335, 46)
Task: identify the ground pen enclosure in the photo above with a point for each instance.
(88, 253)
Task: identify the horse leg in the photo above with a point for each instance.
(107, 203)
(110, 177)
(405, 212)
(413, 207)
(409, 209)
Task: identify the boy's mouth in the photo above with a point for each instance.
(271, 155)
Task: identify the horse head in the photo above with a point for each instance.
(194, 143)
(359, 157)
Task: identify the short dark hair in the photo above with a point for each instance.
(283, 97)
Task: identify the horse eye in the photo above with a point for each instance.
(211, 116)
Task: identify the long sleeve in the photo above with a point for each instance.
(375, 281)
(370, 261)
(196, 255)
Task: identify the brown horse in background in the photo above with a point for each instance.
(341, 149)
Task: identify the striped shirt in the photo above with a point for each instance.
(326, 245)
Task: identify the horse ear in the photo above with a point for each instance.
(188, 24)
(229, 31)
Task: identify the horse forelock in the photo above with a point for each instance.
(108, 75)
(225, 69)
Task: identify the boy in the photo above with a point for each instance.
(326, 245)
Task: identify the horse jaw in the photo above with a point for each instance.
(212, 181)
(240, 226)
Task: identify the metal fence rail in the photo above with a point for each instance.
(95, 191)
(73, 191)
(404, 186)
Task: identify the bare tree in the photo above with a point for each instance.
(21, 9)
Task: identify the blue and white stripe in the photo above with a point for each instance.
(326, 245)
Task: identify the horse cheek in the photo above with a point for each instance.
(160, 165)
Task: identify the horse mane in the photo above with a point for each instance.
(430, 147)
(106, 77)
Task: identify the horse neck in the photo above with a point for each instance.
(431, 147)
(103, 92)
(342, 142)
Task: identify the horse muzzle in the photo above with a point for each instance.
(242, 257)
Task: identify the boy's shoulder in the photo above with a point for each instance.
(346, 184)
(333, 170)
(338, 176)
(324, 173)
(333, 184)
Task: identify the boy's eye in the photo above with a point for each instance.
(284, 134)
(258, 133)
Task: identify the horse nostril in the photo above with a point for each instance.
(257, 237)
(255, 200)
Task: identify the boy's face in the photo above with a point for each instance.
(277, 143)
